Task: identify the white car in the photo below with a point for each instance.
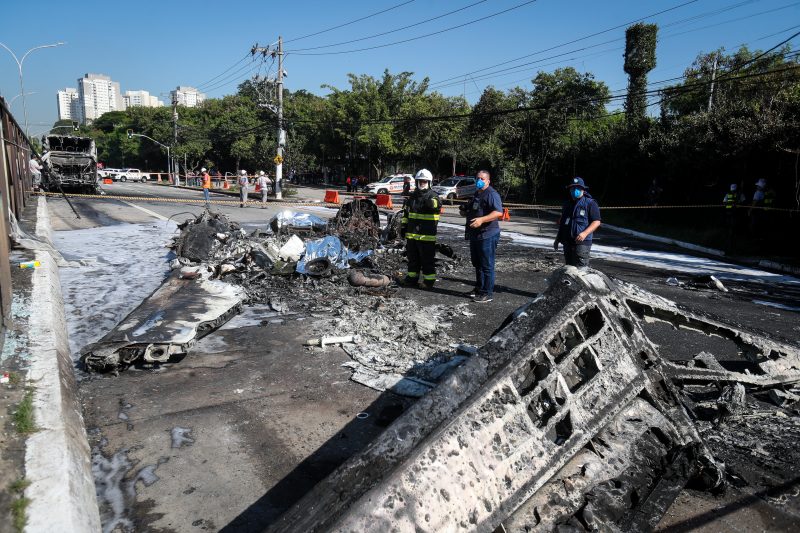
(108, 173)
(390, 184)
(456, 187)
(133, 174)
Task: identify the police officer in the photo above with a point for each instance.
(580, 217)
(418, 226)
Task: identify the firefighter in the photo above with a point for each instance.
(418, 226)
(731, 201)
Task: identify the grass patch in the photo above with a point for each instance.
(19, 485)
(20, 504)
(14, 378)
(19, 514)
(23, 416)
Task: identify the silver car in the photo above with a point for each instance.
(456, 187)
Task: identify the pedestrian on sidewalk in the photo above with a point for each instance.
(243, 187)
(580, 217)
(263, 184)
(206, 180)
(482, 230)
(418, 226)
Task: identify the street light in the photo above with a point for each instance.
(19, 66)
(17, 96)
(169, 167)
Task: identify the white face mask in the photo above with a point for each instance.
(423, 184)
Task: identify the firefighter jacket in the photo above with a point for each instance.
(421, 215)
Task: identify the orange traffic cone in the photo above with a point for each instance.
(506, 215)
(225, 185)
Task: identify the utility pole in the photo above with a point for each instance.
(278, 159)
(713, 75)
(177, 178)
(281, 132)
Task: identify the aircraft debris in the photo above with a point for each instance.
(567, 418)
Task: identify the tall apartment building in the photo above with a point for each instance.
(98, 95)
(140, 99)
(69, 105)
(187, 96)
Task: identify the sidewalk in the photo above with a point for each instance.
(45, 451)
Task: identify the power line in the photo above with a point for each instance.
(419, 23)
(223, 72)
(349, 23)
(525, 66)
(234, 77)
(589, 36)
(418, 37)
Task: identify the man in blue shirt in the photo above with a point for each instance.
(483, 233)
(580, 217)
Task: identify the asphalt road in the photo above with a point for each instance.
(266, 419)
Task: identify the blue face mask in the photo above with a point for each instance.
(480, 184)
(576, 193)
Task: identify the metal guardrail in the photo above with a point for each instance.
(16, 185)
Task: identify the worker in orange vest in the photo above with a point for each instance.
(206, 183)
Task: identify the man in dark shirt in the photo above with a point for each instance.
(580, 217)
(483, 233)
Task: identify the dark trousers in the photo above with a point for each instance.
(421, 257)
(577, 254)
(482, 253)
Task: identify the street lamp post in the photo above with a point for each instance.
(11, 102)
(19, 66)
(169, 160)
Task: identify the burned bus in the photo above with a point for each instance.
(70, 164)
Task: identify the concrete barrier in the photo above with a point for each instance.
(57, 456)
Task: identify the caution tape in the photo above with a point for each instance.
(516, 207)
(200, 201)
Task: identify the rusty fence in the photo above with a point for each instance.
(16, 186)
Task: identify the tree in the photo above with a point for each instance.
(640, 58)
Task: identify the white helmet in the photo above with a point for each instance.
(424, 175)
(243, 172)
(260, 172)
(203, 169)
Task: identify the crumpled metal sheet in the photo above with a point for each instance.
(478, 451)
(332, 248)
(293, 219)
(165, 326)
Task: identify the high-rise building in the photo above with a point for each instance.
(98, 95)
(187, 96)
(141, 99)
(69, 105)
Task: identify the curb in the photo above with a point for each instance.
(788, 269)
(57, 456)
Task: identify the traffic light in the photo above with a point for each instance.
(130, 134)
(75, 126)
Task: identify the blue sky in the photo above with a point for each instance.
(156, 46)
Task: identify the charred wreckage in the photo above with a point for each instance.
(567, 419)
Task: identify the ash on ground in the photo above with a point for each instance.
(301, 265)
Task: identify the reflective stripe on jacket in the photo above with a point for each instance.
(729, 200)
(421, 213)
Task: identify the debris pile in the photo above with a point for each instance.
(339, 267)
(402, 346)
(567, 419)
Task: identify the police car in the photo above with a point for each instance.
(389, 185)
(456, 187)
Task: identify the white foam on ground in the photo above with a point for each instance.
(666, 261)
(776, 305)
(120, 266)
